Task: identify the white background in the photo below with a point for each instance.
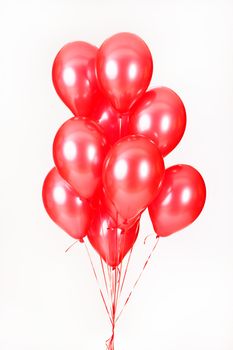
(49, 299)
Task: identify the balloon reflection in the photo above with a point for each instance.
(111, 69)
(120, 169)
(59, 195)
(70, 150)
(69, 76)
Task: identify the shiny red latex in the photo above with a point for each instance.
(102, 200)
(114, 124)
(110, 242)
(159, 115)
(74, 77)
(124, 69)
(180, 200)
(64, 207)
(132, 174)
(79, 151)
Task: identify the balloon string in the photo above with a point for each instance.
(104, 274)
(118, 283)
(118, 246)
(71, 246)
(146, 238)
(116, 287)
(112, 281)
(138, 279)
(95, 274)
(126, 269)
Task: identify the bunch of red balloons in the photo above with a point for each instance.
(109, 155)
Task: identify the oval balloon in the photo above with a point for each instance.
(64, 207)
(132, 174)
(159, 115)
(124, 69)
(180, 200)
(74, 77)
(79, 151)
(110, 242)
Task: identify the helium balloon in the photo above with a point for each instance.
(79, 150)
(74, 77)
(159, 115)
(124, 68)
(64, 207)
(111, 242)
(132, 174)
(180, 200)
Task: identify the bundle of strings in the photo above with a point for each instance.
(114, 281)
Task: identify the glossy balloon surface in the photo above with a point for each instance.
(132, 174)
(114, 124)
(159, 115)
(102, 200)
(111, 243)
(180, 200)
(74, 77)
(124, 69)
(64, 207)
(79, 151)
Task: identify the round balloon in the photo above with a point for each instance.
(132, 174)
(65, 208)
(74, 77)
(124, 69)
(159, 115)
(79, 151)
(180, 200)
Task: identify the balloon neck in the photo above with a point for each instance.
(81, 240)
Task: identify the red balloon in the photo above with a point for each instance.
(110, 242)
(74, 77)
(64, 207)
(114, 124)
(132, 174)
(79, 150)
(159, 115)
(180, 200)
(124, 69)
